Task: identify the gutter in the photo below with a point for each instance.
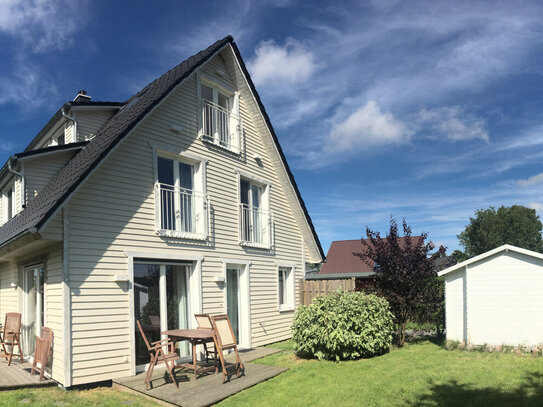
(63, 112)
(23, 183)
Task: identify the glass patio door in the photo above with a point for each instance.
(232, 299)
(161, 302)
(33, 314)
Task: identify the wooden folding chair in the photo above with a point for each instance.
(226, 340)
(44, 344)
(204, 322)
(158, 356)
(11, 337)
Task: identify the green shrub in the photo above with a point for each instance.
(343, 325)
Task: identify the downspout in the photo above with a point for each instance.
(23, 183)
(73, 121)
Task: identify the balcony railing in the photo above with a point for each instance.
(181, 212)
(220, 127)
(255, 226)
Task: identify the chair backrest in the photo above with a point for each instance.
(143, 335)
(13, 324)
(224, 331)
(47, 333)
(203, 321)
(41, 353)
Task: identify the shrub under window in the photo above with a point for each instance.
(343, 325)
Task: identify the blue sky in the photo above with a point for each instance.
(423, 110)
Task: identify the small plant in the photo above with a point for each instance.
(343, 325)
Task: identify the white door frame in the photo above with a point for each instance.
(194, 288)
(30, 272)
(245, 339)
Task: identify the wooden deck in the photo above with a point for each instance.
(207, 389)
(17, 376)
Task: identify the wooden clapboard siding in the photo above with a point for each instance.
(54, 309)
(114, 212)
(90, 121)
(39, 170)
(9, 296)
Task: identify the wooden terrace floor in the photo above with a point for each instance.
(207, 389)
(18, 376)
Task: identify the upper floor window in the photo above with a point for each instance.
(254, 214)
(219, 115)
(181, 203)
(8, 203)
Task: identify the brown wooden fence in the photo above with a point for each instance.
(310, 289)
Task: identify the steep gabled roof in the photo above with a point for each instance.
(135, 109)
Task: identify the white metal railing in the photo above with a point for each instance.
(181, 212)
(221, 127)
(254, 226)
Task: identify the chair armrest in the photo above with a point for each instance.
(162, 340)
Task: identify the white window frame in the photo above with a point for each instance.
(265, 206)
(290, 284)
(233, 96)
(199, 186)
(10, 187)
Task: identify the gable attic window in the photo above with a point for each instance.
(180, 201)
(218, 115)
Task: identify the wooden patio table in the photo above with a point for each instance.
(195, 337)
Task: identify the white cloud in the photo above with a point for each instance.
(533, 180)
(27, 87)
(290, 63)
(535, 205)
(42, 24)
(452, 123)
(366, 127)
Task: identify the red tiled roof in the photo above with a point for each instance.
(341, 260)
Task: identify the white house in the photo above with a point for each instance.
(175, 202)
(496, 298)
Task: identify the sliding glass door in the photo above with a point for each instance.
(160, 302)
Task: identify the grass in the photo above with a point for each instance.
(55, 397)
(421, 374)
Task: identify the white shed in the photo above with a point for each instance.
(496, 298)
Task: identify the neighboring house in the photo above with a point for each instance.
(175, 202)
(342, 263)
(496, 298)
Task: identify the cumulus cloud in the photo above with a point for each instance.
(533, 180)
(289, 63)
(366, 127)
(42, 25)
(451, 123)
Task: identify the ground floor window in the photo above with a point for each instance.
(161, 302)
(285, 286)
(33, 315)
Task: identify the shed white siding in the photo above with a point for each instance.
(502, 300)
(455, 309)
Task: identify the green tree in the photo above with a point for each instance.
(490, 228)
(404, 269)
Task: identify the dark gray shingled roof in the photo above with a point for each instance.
(59, 188)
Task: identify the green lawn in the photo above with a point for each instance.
(420, 374)
(55, 397)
